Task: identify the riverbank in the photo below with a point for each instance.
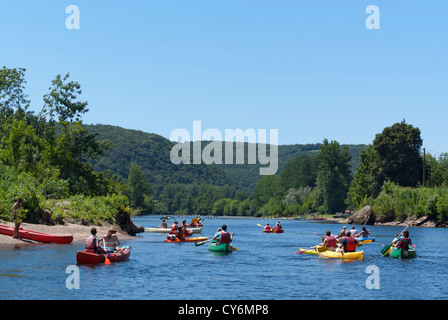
(79, 232)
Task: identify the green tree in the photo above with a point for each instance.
(334, 175)
(398, 150)
(300, 172)
(137, 187)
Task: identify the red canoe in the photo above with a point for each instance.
(276, 230)
(83, 257)
(36, 236)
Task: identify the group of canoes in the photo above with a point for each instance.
(344, 245)
(276, 229)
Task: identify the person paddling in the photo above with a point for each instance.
(110, 241)
(267, 227)
(403, 241)
(348, 244)
(224, 236)
(278, 226)
(92, 243)
(329, 241)
(364, 233)
(163, 225)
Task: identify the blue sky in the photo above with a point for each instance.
(310, 69)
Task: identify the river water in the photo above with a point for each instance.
(264, 268)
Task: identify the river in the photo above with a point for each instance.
(264, 267)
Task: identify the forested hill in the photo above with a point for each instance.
(152, 153)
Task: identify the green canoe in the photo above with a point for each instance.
(403, 254)
(214, 246)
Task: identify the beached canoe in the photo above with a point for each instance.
(220, 247)
(167, 230)
(174, 239)
(37, 236)
(274, 230)
(347, 255)
(83, 257)
(403, 254)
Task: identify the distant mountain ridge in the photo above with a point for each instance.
(152, 152)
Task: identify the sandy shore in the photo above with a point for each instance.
(79, 232)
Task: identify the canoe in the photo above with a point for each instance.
(274, 230)
(170, 239)
(37, 236)
(167, 230)
(403, 254)
(83, 257)
(217, 247)
(347, 255)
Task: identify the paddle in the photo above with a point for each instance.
(200, 243)
(106, 259)
(303, 250)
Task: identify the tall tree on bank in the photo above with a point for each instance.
(393, 156)
(138, 189)
(333, 177)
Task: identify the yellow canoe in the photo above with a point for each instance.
(313, 251)
(347, 255)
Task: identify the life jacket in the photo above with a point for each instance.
(91, 245)
(404, 243)
(225, 237)
(331, 242)
(267, 228)
(351, 244)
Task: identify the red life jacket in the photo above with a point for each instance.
(91, 245)
(351, 244)
(225, 237)
(331, 242)
(404, 243)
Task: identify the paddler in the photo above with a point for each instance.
(223, 236)
(177, 232)
(110, 241)
(342, 233)
(329, 241)
(348, 244)
(364, 233)
(403, 241)
(92, 243)
(267, 227)
(278, 225)
(163, 225)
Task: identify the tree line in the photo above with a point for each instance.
(51, 158)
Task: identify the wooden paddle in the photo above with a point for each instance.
(200, 243)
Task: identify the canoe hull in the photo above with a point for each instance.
(403, 254)
(222, 248)
(83, 257)
(167, 230)
(281, 230)
(187, 239)
(37, 236)
(313, 251)
(358, 255)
